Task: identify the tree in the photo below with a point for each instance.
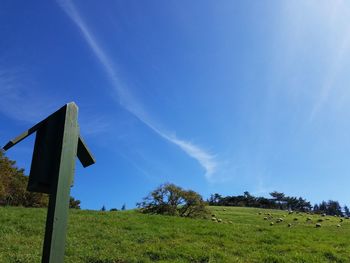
(103, 208)
(169, 199)
(277, 195)
(123, 207)
(346, 211)
(73, 203)
(334, 208)
(215, 199)
(13, 187)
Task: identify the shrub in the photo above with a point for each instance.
(169, 199)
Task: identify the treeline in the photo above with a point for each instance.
(13, 187)
(279, 200)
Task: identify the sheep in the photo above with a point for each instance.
(271, 224)
(265, 218)
(320, 220)
(295, 219)
(289, 225)
(213, 219)
(308, 219)
(219, 220)
(323, 214)
(318, 225)
(338, 225)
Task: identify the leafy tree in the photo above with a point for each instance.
(214, 199)
(334, 208)
(103, 208)
(123, 207)
(73, 203)
(169, 199)
(277, 195)
(13, 187)
(322, 207)
(346, 211)
(330, 208)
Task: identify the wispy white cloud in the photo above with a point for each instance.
(126, 100)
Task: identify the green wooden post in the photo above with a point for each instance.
(57, 214)
(57, 144)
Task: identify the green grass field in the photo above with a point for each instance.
(129, 236)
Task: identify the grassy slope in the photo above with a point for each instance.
(106, 237)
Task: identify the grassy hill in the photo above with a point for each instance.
(128, 236)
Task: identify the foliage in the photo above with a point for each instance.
(132, 237)
(13, 187)
(330, 208)
(279, 201)
(73, 203)
(169, 199)
(346, 211)
(123, 207)
(13, 184)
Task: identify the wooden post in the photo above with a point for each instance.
(57, 214)
(57, 144)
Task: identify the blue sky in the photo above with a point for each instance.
(215, 96)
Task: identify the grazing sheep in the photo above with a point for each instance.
(265, 218)
(219, 220)
(230, 222)
(323, 214)
(213, 219)
(260, 213)
(308, 219)
(338, 225)
(320, 220)
(289, 225)
(279, 220)
(271, 224)
(213, 215)
(318, 225)
(341, 219)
